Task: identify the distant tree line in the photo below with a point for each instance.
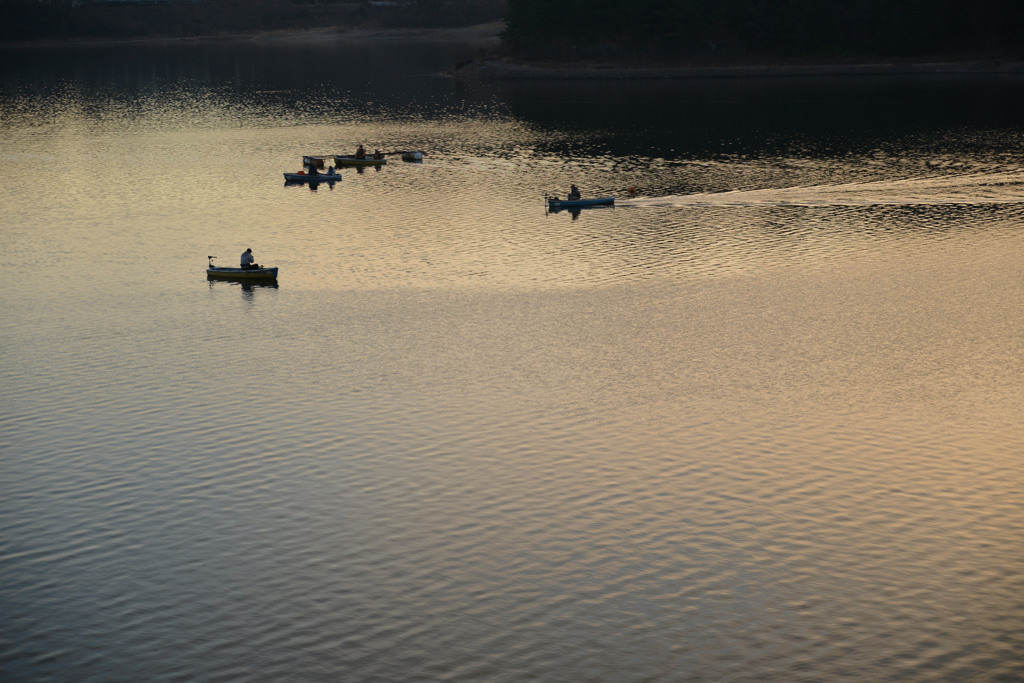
(27, 20)
(792, 28)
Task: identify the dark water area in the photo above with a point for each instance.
(310, 71)
(760, 420)
(763, 116)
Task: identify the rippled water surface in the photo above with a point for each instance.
(759, 421)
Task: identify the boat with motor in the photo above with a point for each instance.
(257, 274)
(556, 203)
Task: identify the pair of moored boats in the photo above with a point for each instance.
(313, 166)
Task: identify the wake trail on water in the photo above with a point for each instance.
(977, 188)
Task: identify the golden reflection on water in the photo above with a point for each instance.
(768, 432)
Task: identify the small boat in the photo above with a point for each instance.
(412, 156)
(312, 171)
(260, 274)
(556, 203)
(303, 177)
(353, 161)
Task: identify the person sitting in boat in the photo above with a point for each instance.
(330, 170)
(360, 152)
(377, 154)
(248, 260)
(574, 193)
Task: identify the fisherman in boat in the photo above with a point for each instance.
(248, 260)
(377, 154)
(360, 152)
(574, 193)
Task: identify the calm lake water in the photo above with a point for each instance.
(762, 420)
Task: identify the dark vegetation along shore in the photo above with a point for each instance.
(100, 20)
(821, 30)
(589, 38)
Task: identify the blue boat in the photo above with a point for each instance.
(304, 177)
(556, 203)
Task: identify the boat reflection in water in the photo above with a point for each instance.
(574, 211)
(247, 288)
(313, 184)
(362, 169)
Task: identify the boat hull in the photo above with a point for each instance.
(307, 178)
(579, 203)
(352, 161)
(244, 274)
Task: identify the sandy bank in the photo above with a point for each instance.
(482, 34)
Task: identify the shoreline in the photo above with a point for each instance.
(481, 34)
(488, 36)
(511, 70)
